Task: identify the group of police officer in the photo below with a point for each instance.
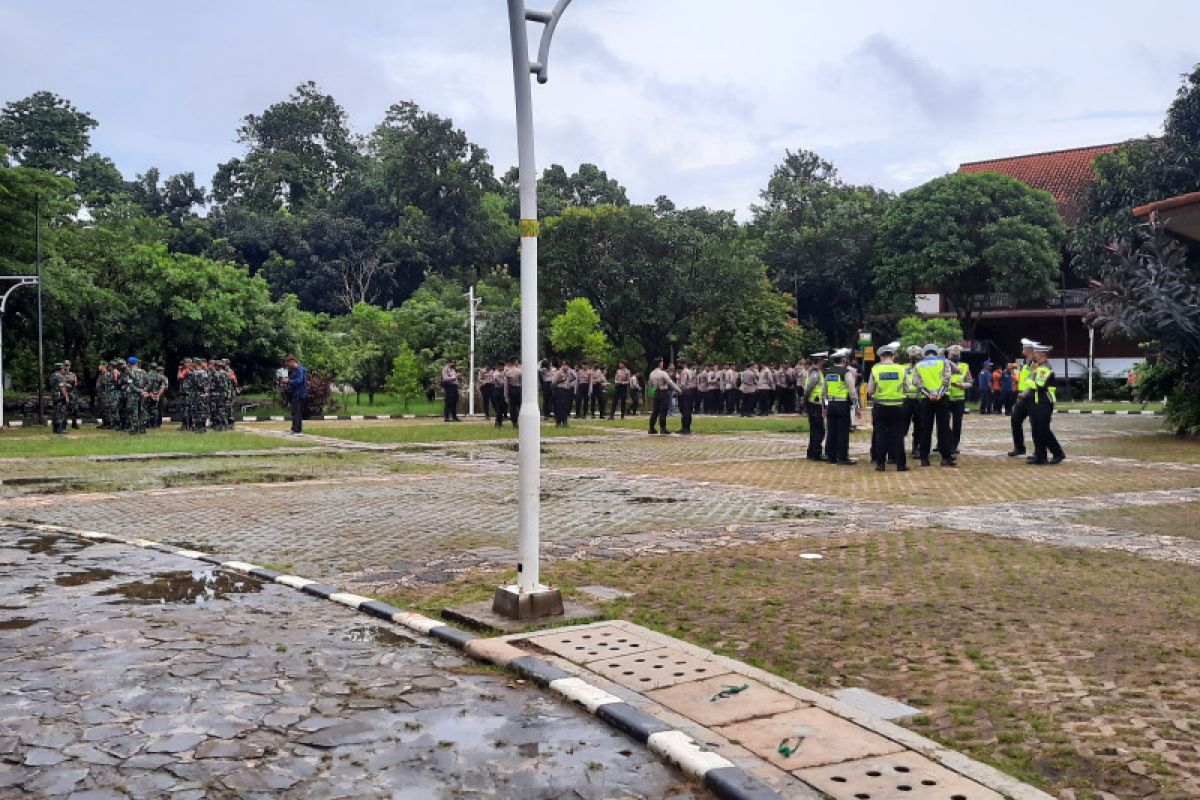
(129, 397)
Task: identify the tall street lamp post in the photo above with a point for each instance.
(528, 598)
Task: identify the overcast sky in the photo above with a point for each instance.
(695, 99)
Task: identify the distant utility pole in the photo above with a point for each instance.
(528, 598)
(41, 376)
(472, 307)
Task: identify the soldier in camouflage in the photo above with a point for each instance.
(59, 398)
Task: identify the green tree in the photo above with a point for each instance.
(818, 242)
(1136, 173)
(405, 379)
(46, 132)
(969, 234)
(921, 331)
(298, 152)
(576, 332)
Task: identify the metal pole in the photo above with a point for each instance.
(471, 354)
(530, 437)
(1091, 358)
(41, 376)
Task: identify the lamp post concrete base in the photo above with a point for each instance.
(511, 602)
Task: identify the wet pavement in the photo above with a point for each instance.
(133, 673)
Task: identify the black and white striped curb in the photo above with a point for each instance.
(724, 779)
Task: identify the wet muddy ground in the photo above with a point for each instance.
(132, 673)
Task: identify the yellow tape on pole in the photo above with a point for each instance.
(529, 228)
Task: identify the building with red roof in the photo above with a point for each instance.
(1002, 322)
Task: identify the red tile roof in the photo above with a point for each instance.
(1060, 172)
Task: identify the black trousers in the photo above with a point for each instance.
(1043, 438)
(912, 411)
(687, 407)
(450, 408)
(764, 401)
(621, 398)
(486, 395)
(748, 401)
(957, 409)
(514, 403)
(562, 405)
(547, 399)
(888, 421)
(837, 435)
(1019, 414)
(935, 413)
(816, 430)
(297, 404)
(662, 405)
(599, 399)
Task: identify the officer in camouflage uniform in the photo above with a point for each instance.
(72, 394)
(135, 396)
(219, 385)
(183, 406)
(59, 398)
(201, 386)
(103, 378)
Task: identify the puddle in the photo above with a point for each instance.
(17, 623)
(377, 634)
(791, 512)
(49, 544)
(88, 576)
(183, 586)
(643, 499)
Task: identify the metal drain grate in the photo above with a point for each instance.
(656, 669)
(591, 643)
(904, 776)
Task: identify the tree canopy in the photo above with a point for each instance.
(969, 234)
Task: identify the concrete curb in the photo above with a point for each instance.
(719, 774)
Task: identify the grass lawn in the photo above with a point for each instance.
(385, 404)
(423, 431)
(1168, 519)
(1032, 658)
(89, 441)
(791, 423)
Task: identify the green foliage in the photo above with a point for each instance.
(576, 332)
(405, 378)
(46, 132)
(924, 330)
(969, 234)
(818, 242)
(1139, 172)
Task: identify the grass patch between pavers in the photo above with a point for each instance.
(1168, 519)
(977, 479)
(1029, 657)
(423, 432)
(89, 441)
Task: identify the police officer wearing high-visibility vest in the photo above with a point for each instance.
(1040, 404)
(1021, 408)
(933, 380)
(912, 397)
(960, 379)
(886, 388)
(840, 395)
(814, 406)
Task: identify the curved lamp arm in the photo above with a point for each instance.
(550, 20)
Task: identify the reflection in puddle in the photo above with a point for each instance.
(379, 634)
(80, 578)
(50, 544)
(184, 586)
(17, 623)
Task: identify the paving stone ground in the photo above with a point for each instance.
(130, 673)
